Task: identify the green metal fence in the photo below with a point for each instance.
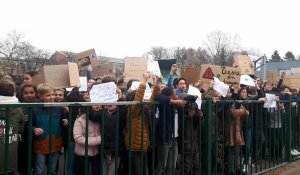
(202, 143)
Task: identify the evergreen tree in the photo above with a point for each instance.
(276, 56)
(289, 56)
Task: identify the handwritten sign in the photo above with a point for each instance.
(192, 75)
(228, 75)
(244, 63)
(271, 101)
(134, 68)
(105, 92)
(195, 91)
(220, 87)
(272, 76)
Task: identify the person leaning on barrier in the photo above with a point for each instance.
(15, 118)
(40, 122)
(136, 130)
(167, 144)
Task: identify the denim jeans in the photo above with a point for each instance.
(167, 157)
(40, 163)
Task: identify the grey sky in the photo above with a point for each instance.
(131, 27)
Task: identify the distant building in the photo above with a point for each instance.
(279, 66)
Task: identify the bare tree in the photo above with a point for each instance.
(221, 47)
(18, 56)
(161, 53)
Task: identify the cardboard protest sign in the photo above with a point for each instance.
(165, 67)
(295, 71)
(105, 92)
(292, 81)
(244, 63)
(86, 57)
(272, 76)
(68, 76)
(192, 75)
(134, 68)
(228, 75)
(102, 69)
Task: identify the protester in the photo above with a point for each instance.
(14, 119)
(41, 120)
(93, 141)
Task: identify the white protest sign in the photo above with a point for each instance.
(83, 85)
(220, 87)
(105, 92)
(195, 91)
(247, 80)
(271, 101)
(153, 67)
(135, 85)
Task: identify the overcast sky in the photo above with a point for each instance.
(131, 27)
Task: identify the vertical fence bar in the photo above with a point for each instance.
(102, 133)
(153, 138)
(50, 142)
(208, 138)
(6, 136)
(69, 136)
(29, 160)
(130, 139)
(288, 129)
(117, 140)
(86, 163)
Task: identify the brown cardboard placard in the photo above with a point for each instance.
(228, 75)
(272, 76)
(73, 74)
(134, 68)
(295, 71)
(292, 81)
(191, 74)
(102, 69)
(89, 54)
(59, 76)
(38, 79)
(245, 64)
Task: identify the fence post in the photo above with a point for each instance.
(288, 128)
(208, 136)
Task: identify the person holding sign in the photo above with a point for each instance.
(137, 137)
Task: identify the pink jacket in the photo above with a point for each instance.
(94, 138)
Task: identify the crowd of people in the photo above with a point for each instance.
(174, 130)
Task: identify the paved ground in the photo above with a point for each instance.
(289, 169)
